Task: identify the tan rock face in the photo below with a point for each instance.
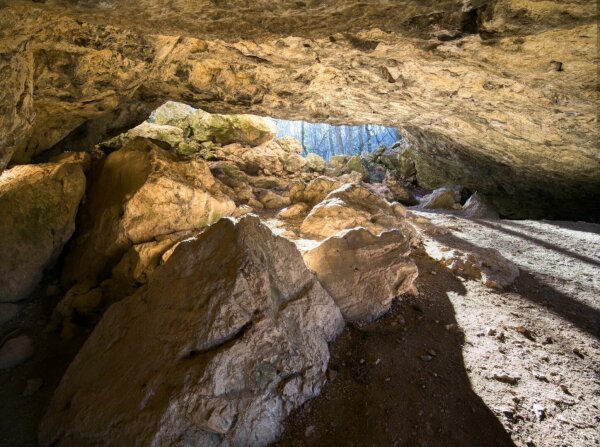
(362, 272)
(138, 193)
(227, 338)
(38, 205)
(352, 206)
(498, 96)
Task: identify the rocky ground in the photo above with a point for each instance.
(457, 365)
(516, 367)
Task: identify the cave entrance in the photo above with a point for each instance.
(327, 140)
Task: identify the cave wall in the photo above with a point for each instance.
(500, 95)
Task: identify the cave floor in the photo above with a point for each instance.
(457, 365)
(433, 372)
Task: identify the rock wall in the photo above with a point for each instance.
(502, 95)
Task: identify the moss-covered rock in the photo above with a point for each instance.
(250, 130)
(357, 164)
(315, 163)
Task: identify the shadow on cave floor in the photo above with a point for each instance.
(401, 381)
(539, 270)
(536, 240)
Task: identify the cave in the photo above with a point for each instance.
(250, 223)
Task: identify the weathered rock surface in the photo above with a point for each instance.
(137, 194)
(498, 96)
(479, 207)
(294, 211)
(441, 198)
(38, 205)
(15, 351)
(227, 338)
(83, 300)
(352, 206)
(315, 163)
(362, 272)
(481, 264)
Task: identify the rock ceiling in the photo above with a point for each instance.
(501, 96)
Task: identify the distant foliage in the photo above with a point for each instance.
(327, 140)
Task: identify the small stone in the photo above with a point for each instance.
(15, 351)
(506, 378)
(32, 386)
(362, 361)
(578, 353)
(377, 362)
(310, 431)
(491, 332)
(426, 358)
(540, 412)
(432, 352)
(548, 341)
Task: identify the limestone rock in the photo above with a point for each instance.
(272, 200)
(479, 207)
(481, 264)
(315, 163)
(314, 191)
(479, 106)
(399, 191)
(442, 198)
(83, 300)
(140, 192)
(171, 113)
(15, 351)
(337, 162)
(357, 164)
(352, 206)
(362, 272)
(294, 211)
(239, 341)
(171, 135)
(248, 130)
(38, 206)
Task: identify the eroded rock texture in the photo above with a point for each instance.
(227, 338)
(139, 193)
(499, 96)
(38, 205)
(363, 272)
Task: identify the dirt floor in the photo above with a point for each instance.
(463, 365)
(458, 365)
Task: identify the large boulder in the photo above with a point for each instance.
(315, 163)
(227, 338)
(38, 205)
(314, 191)
(249, 130)
(170, 135)
(171, 113)
(363, 272)
(441, 198)
(137, 194)
(479, 206)
(352, 206)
